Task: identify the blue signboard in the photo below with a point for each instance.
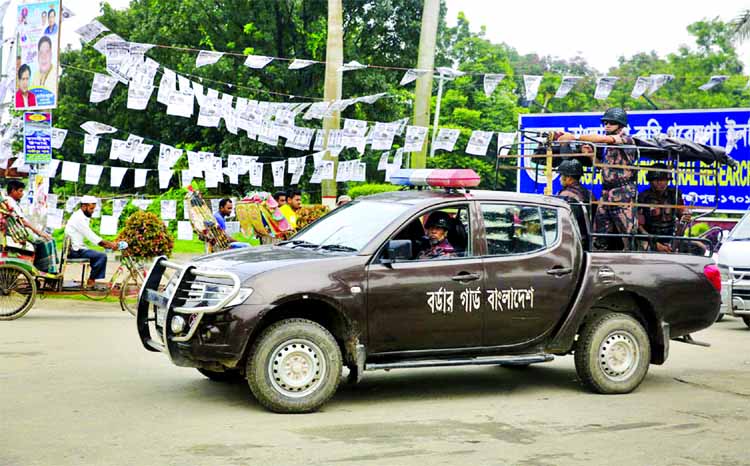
(729, 128)
(37, 137)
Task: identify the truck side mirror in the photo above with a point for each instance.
(397, 250)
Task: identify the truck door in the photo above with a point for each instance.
(529, 266)
(427, 303)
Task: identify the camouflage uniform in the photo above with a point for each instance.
(660, 221)
(577, 192)
(618, 185)
(440, 250)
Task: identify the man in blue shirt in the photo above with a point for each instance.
(225, 210)
(52, 28)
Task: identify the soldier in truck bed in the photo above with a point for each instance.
(660, 220)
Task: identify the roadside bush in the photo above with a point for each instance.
(697, 229)
(308, 214)
(370, 188)
(146, 235)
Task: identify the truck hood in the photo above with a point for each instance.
(735, 254)
(247, 262)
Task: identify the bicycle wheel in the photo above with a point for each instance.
(97, 293)
(17, 292)
(129, 290)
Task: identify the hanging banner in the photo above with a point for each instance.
(37, 137)
(709, 126)
(37, 54)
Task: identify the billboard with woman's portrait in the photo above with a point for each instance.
(37, 54)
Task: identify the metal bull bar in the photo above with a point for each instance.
(154, 299)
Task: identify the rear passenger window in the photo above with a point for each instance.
(515, 229)
(549, 222)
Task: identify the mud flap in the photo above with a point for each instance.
(660, 343)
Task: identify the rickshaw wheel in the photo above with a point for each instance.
(17, 292)
(129, 289)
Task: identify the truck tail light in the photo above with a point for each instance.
(713, 275)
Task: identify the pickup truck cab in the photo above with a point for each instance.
(352, 289)
(734, 265)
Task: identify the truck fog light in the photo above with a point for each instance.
(177, 325)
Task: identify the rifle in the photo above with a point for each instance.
(680, 228)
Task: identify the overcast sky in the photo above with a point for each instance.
(599, 31)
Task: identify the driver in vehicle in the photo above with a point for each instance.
(438, 247)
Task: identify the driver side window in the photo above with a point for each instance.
(439, 234)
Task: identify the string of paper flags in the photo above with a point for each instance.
(604, 85)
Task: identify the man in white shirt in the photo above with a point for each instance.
(79, 230)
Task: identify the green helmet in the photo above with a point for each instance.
(570, 167)
(651, 176)
(617, 115)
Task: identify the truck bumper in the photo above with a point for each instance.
(735, 293)
(199, 336)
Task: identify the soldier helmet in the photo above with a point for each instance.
(570, 167)
(438, 219)
(617, 115)
(652, 176)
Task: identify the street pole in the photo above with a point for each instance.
(425, 61)
(333, 78)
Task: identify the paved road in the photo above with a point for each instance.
(78, 388)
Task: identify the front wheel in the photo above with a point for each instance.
(746, 320)
(612, 354)
(294, 366)
(129, 290)
(17, 292)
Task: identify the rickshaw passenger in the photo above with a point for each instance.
(78, 230)
(45, 255)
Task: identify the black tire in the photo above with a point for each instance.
(720, 317)
(309, 353)
(608, 337)
(17, 292)
(746, 320)
(231, 376)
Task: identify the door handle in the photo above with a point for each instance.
(466, 277)
(559, 271)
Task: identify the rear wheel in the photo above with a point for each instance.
(17, 292)
(746, 320)
(613, 354)
(294, 366)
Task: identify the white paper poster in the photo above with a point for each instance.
(70, 171)
(299, 64)
(604, 86)
(118, 205)
(58, 137)
(116, 176)
(165, 176)
(95, 128)
(382, 136)
(641, 86)
(505, 142)
(490, 83)
(479, 142)
(90, 31)
(54, 218)
(446, 139)
(117, 148)
(412, 75)
(101, 88)
(531, 84)
(415, 137)
(257, 61)
(167, 86)
(169, 210)
(93, 173)
(142, 203)
(206, 57)
(278, 169)
(142, 152)
(168, 156)
(352, 65)
(566, 85)
(90, 143)
(657, 81)
(299, 169)
(108, 226)
(140, 177)
(713, 82)
(383, 162)
(184, 231)
(256, 174)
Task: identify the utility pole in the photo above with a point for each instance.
(426, 61)
(334, 62)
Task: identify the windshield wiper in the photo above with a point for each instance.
(298, 243)
(337, 247)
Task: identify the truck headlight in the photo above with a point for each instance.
(726, 276)
(211, 294)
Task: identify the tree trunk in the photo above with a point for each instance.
(334, 61)
(426, 61)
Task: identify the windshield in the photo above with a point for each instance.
(349, 227)
(742, 230)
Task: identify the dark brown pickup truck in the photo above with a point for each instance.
(351, 290)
